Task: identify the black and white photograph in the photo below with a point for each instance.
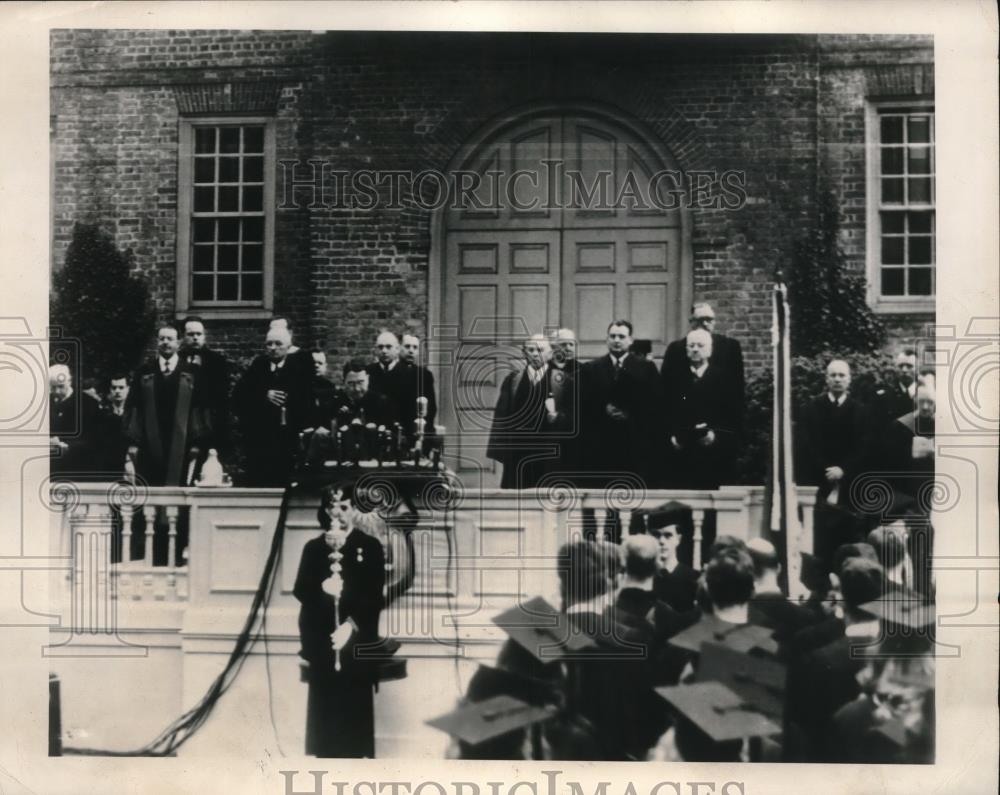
(511, 393)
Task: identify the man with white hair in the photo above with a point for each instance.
(522, 417)
(704, 418)
(563, 405)
(72, 422)
(274, 403)
(727, 355)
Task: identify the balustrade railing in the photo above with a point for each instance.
(127, 544)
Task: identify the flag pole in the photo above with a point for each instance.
(784, 517)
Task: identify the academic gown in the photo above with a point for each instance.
(166, 418)
(630, 446)
(212, 372)
(712, 401)
(340, 715)
(516, 435)
(678, 588)
(270, 439)
(76, 422)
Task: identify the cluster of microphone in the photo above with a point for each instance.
(354, 442)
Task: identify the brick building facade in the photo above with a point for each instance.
(795, 114)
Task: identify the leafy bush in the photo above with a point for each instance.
(829, 305)
(98, 301)
(869, 371)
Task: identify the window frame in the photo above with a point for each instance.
(185, 196)
(892, 304)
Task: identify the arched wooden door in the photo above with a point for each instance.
(557, 228)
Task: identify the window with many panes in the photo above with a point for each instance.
(227, 215)
(904, 220)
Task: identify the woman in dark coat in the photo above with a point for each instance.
(339, 616)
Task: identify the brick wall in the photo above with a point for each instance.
(783, 109)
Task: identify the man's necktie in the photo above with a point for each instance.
(166, 369)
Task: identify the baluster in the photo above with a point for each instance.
(601, 517)
(149, 512)
(698, 516)
(172, 511)
(625, 517)
(126, 514)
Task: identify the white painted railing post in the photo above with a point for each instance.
(698, 519)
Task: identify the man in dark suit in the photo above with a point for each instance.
(395, 380)
(339, 586)
(73, 422)
(898, 396)
(676, 583)
(113, 449)
(906, 455)
(621, 405)
(833, 435)
(727, 355)
(704, 418)
(410, 355)
(168, 422)
(518, 435)
(358, 401)
(274, 403)
(212, 371)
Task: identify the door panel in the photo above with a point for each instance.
(547, 250)
(505, 288)
(620, 273)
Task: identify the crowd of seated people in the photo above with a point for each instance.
(736, 671)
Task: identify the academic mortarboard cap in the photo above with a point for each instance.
(660, 516)
(542, 630)
(478, 722)
(739, 637)
(489, 681)
(907, 624)
(758, 680)
(719, 712)
(906, 609)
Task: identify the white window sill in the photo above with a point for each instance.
(904, 306)
(223, 313)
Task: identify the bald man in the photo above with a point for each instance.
(704, 418)
(833, 434)
(274, 403)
